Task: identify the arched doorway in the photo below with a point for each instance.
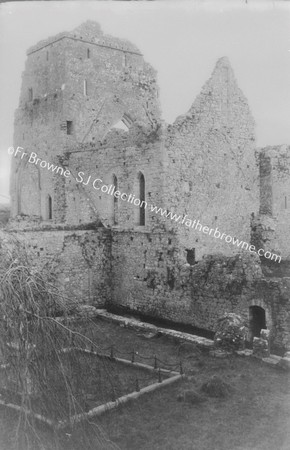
(257, 320)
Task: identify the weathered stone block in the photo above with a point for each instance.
(260, 348)
(265, 334)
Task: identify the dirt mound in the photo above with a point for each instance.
(190, 396)
(216, 387)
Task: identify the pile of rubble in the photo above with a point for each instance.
(230, 333)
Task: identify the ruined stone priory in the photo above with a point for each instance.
(94, 158)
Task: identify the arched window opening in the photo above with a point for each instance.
(142, 199)
(115, 200)
(49, 207)
(190, 256)
(257, 321)
(69, 127)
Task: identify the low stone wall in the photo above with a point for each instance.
(79, 260)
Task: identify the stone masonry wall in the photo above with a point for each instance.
(124, 156)
(79, 259)
(212, 173)
(149, 277)
(273, 222)
(106, 79)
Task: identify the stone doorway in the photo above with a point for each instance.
(257, 321)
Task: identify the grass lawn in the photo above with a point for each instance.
(255, 413)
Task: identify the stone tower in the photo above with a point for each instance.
(76, 87)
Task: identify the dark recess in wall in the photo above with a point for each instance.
(185, 328)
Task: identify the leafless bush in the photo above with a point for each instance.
(36, 374)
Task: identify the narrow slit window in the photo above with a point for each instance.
(30, 94)
(88, 53)
(115, 204)
(49, 207)
(142, 199)
(190, 256)
(69, 127)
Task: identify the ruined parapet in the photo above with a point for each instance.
(90, 32)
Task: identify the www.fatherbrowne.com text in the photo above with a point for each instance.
(96, 184)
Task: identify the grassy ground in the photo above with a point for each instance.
(254, 415)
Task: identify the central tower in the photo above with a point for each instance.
(76, 87)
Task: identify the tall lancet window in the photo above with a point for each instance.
(115, 201)
(49, 207)
(85, 87)
(142, 198)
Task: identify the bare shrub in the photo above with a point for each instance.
(37, 374)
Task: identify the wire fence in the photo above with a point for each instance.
(158, 371)
(113, 352)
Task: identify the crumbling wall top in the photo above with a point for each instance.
(220, 104)
(274, 151)
(89, 32)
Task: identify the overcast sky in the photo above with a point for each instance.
(181, 39)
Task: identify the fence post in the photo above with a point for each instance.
(181, 368)
(159, 375)
(112, 352)
(133, 356)
(155, 362)
(137, 385)
(92, 348)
